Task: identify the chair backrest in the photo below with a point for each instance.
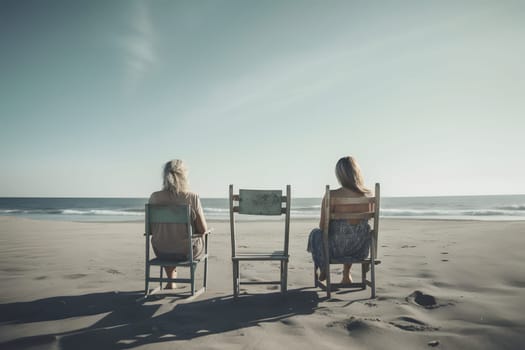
(371, 213)
(260, 202)
(168, 214)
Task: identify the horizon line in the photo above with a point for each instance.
(298, 197)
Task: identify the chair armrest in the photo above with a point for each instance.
(207, 232)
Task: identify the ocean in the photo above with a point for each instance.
(500, 207)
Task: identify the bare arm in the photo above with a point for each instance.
(200, 220)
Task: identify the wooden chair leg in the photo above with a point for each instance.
(160, 282)
(233, 278)
(373, 279)
(238, 279)
(205, 273)
(235, 265)
(328, 283)
(146, 288)
(363, 275)
(284, 276)
(281, 274)
(205, 283)
(192, 276)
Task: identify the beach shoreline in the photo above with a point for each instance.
(69, 284)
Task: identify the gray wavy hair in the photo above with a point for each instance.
(175, 176)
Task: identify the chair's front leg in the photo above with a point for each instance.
(146, 290)
(372, 268)
(192, 272)
(284, 276)
(205, 283)
(328, 282)
(161, 277)
(235, 265)
(373, 279)
(281, 275)
(364, 269)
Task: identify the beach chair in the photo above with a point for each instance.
(173, 214)
(259, 202)
(368, 264)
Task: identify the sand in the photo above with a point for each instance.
(442, 284)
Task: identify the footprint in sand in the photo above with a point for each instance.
(354, 324)
(411, 324)
(426, 300)
(13, 269)
(425, 275)
(516, 283)
(290, 323)
(74, 276)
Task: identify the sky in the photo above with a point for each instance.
(95, 96)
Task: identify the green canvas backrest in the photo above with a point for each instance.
(260, 202)
(168, 214)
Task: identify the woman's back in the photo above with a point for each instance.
(344, 208)
(348, 208)
(172, 238)
(346, 238)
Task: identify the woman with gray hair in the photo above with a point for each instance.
(346, 238)
(170, 241)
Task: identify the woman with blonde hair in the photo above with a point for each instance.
(170, 241)
(346, 238)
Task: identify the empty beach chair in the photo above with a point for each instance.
(174, 214)
(367, 264)
(259, 202)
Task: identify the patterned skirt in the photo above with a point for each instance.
(198, 250)
(344, 239)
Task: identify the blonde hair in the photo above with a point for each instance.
(175, 176)
(349, 175)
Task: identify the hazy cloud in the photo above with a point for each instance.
(139, 45)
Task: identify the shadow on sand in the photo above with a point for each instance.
(129, 323)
